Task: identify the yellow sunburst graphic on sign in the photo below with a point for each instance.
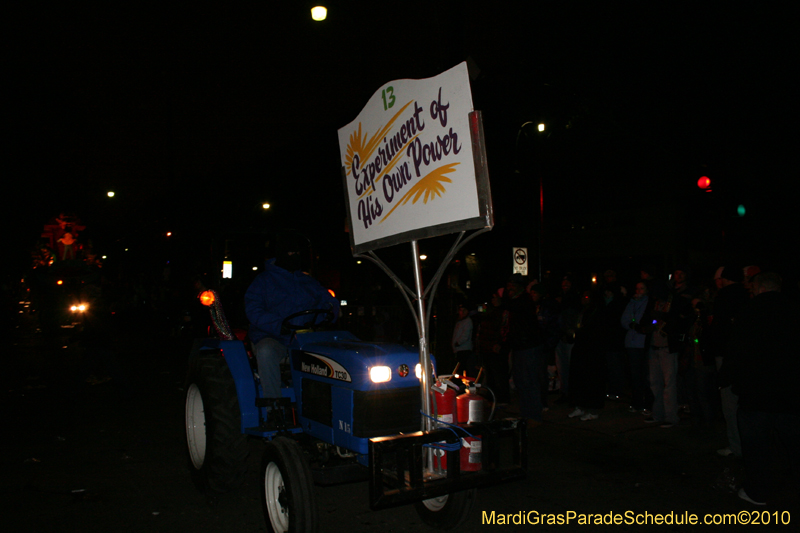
(363, 145)
(353, 147)
(430, 186)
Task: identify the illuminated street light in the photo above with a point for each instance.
(110, 194)
(265, 206)
(319, 13)
(423, 257)
(541, 127)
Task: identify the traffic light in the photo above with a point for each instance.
(704, 183)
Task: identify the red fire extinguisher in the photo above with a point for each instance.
(471, 408)
(444, 398)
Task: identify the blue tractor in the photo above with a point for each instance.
(350, 410)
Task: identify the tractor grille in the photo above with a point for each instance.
(387, 412)
(317, 401)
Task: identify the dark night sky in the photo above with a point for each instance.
(169, 106)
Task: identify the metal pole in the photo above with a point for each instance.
(424, 356)
(541, 219)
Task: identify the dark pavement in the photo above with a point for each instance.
(110, 457)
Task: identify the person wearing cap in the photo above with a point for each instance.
(750, 272)
(728, 303)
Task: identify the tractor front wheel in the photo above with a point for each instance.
(287, 489)
(448, 511)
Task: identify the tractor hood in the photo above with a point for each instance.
(342, 357)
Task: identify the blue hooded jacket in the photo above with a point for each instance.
(277, 293)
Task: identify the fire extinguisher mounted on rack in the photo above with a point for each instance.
(445, 413)
(459, 411)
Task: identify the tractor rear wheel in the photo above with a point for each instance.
(217, 447)
(287, 489)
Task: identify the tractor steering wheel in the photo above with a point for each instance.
(288, 327)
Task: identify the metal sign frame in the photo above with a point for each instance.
(416, 298)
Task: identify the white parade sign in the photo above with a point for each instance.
(407, 163)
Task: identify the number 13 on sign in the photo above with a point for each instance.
(388, 97)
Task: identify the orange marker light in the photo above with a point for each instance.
(207, 298)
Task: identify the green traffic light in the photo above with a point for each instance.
(740, 210)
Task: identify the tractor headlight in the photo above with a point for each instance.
(79, 308)
(380, 374)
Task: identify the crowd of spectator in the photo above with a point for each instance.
(678, 350)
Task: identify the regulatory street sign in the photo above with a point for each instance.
(520, 261)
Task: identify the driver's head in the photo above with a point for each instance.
(292, 251)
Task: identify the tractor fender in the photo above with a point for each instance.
(238, 363)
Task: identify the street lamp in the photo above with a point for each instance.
(319, 13)
(540, 127)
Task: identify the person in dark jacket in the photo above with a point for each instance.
(547, 316)
(616, 363)
(491, 354)
(568, 304)
(282, 290)
(762, 367)
(728, 303)
(587, 367)
(525, 341)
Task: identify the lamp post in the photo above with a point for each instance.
(540, 127)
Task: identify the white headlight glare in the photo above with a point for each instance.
(418, 371)
(380, 374)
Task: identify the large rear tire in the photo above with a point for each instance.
(448, 511)
(217, 447)
(287, 489)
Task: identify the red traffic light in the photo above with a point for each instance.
(704, 183)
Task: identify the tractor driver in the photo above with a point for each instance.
(281, 290)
